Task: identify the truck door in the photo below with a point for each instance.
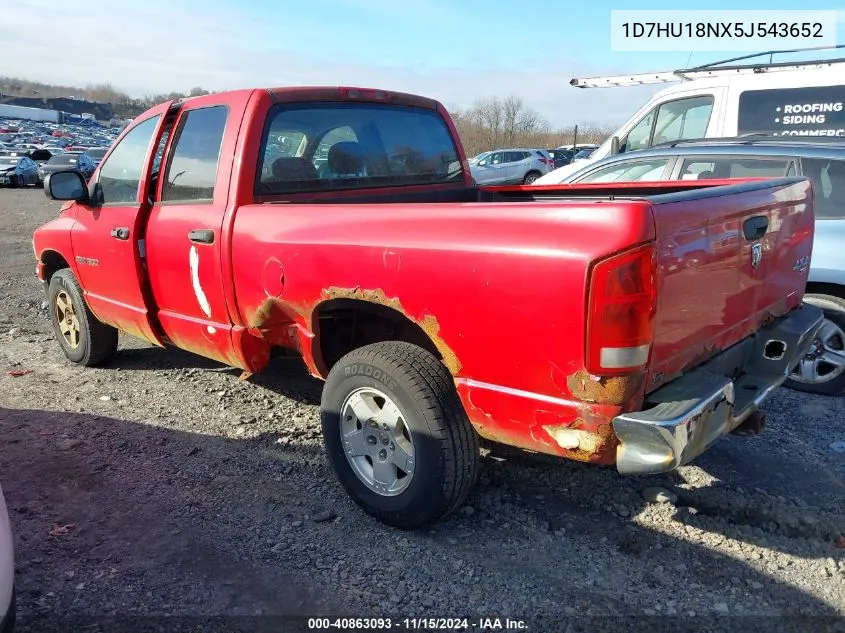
(108, 233)
(184, 232)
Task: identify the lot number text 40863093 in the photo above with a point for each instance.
(419, 624)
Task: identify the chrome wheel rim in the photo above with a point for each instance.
(67, 320)
(826, 358)
(377, 441)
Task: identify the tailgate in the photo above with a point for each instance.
(729, 258)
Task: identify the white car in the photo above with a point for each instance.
(7, 571)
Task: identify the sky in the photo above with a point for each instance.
(454, 51)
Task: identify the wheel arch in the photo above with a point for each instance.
(51, 262)
(342, 325)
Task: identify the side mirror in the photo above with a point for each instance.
(66, 185)
(614, 146)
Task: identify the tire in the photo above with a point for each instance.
(530, 177)
(442, 441)
(95, 342)
(830, 382)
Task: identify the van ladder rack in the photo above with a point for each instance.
(714, 69)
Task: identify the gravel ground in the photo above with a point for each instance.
(171, 488)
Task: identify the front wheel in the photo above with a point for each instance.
(822, 369)
(84, 339)
(397, 435)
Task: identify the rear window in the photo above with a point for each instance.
(828, 178)
(816, 111)
(63, 159)
(340, 146)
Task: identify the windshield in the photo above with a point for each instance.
(96, 154)
(9, 160)
(335, 146)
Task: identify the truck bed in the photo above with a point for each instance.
(705, 280)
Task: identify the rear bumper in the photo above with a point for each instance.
(687, 415)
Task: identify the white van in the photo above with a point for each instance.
(802, 99)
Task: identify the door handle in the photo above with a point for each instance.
(201, 236)
(120, 233)
(755, 228)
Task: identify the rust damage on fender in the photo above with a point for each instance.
(428, 323)
(614, 390)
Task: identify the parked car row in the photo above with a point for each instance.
(31, 149)
(515, 166)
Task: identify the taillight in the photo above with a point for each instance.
(620, 317)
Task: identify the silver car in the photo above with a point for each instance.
(519, 166)
(7, 571)
(823, 162)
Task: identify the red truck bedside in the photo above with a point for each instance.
(627, 324)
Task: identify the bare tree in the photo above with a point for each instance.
(499, 122)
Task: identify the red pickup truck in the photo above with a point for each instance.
(627, 324)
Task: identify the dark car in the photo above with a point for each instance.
(561, 156)
(68, 162)
(17, 170)
(584, 153)
(96, 154)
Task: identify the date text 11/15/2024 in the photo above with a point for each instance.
(418, 624)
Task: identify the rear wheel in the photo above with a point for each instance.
(822, 369)
(530, 177)
(397, 435)
(84, 339)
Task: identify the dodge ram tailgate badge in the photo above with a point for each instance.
(801, 264)
(756, 255)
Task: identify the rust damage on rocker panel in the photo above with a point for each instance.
(428, 323)
(595, 445)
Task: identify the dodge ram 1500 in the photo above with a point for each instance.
(342, 224)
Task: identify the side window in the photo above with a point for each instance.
(696, 169)
(682, 119)
(638, 137)
(121, 173)
(758, 168)
(732, 167)
(638, 171)
(191, 172)
(514, 157)
(493, 159)
(828, 178)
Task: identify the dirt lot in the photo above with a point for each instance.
(190, 493)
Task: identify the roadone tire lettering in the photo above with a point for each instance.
(359, 369)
